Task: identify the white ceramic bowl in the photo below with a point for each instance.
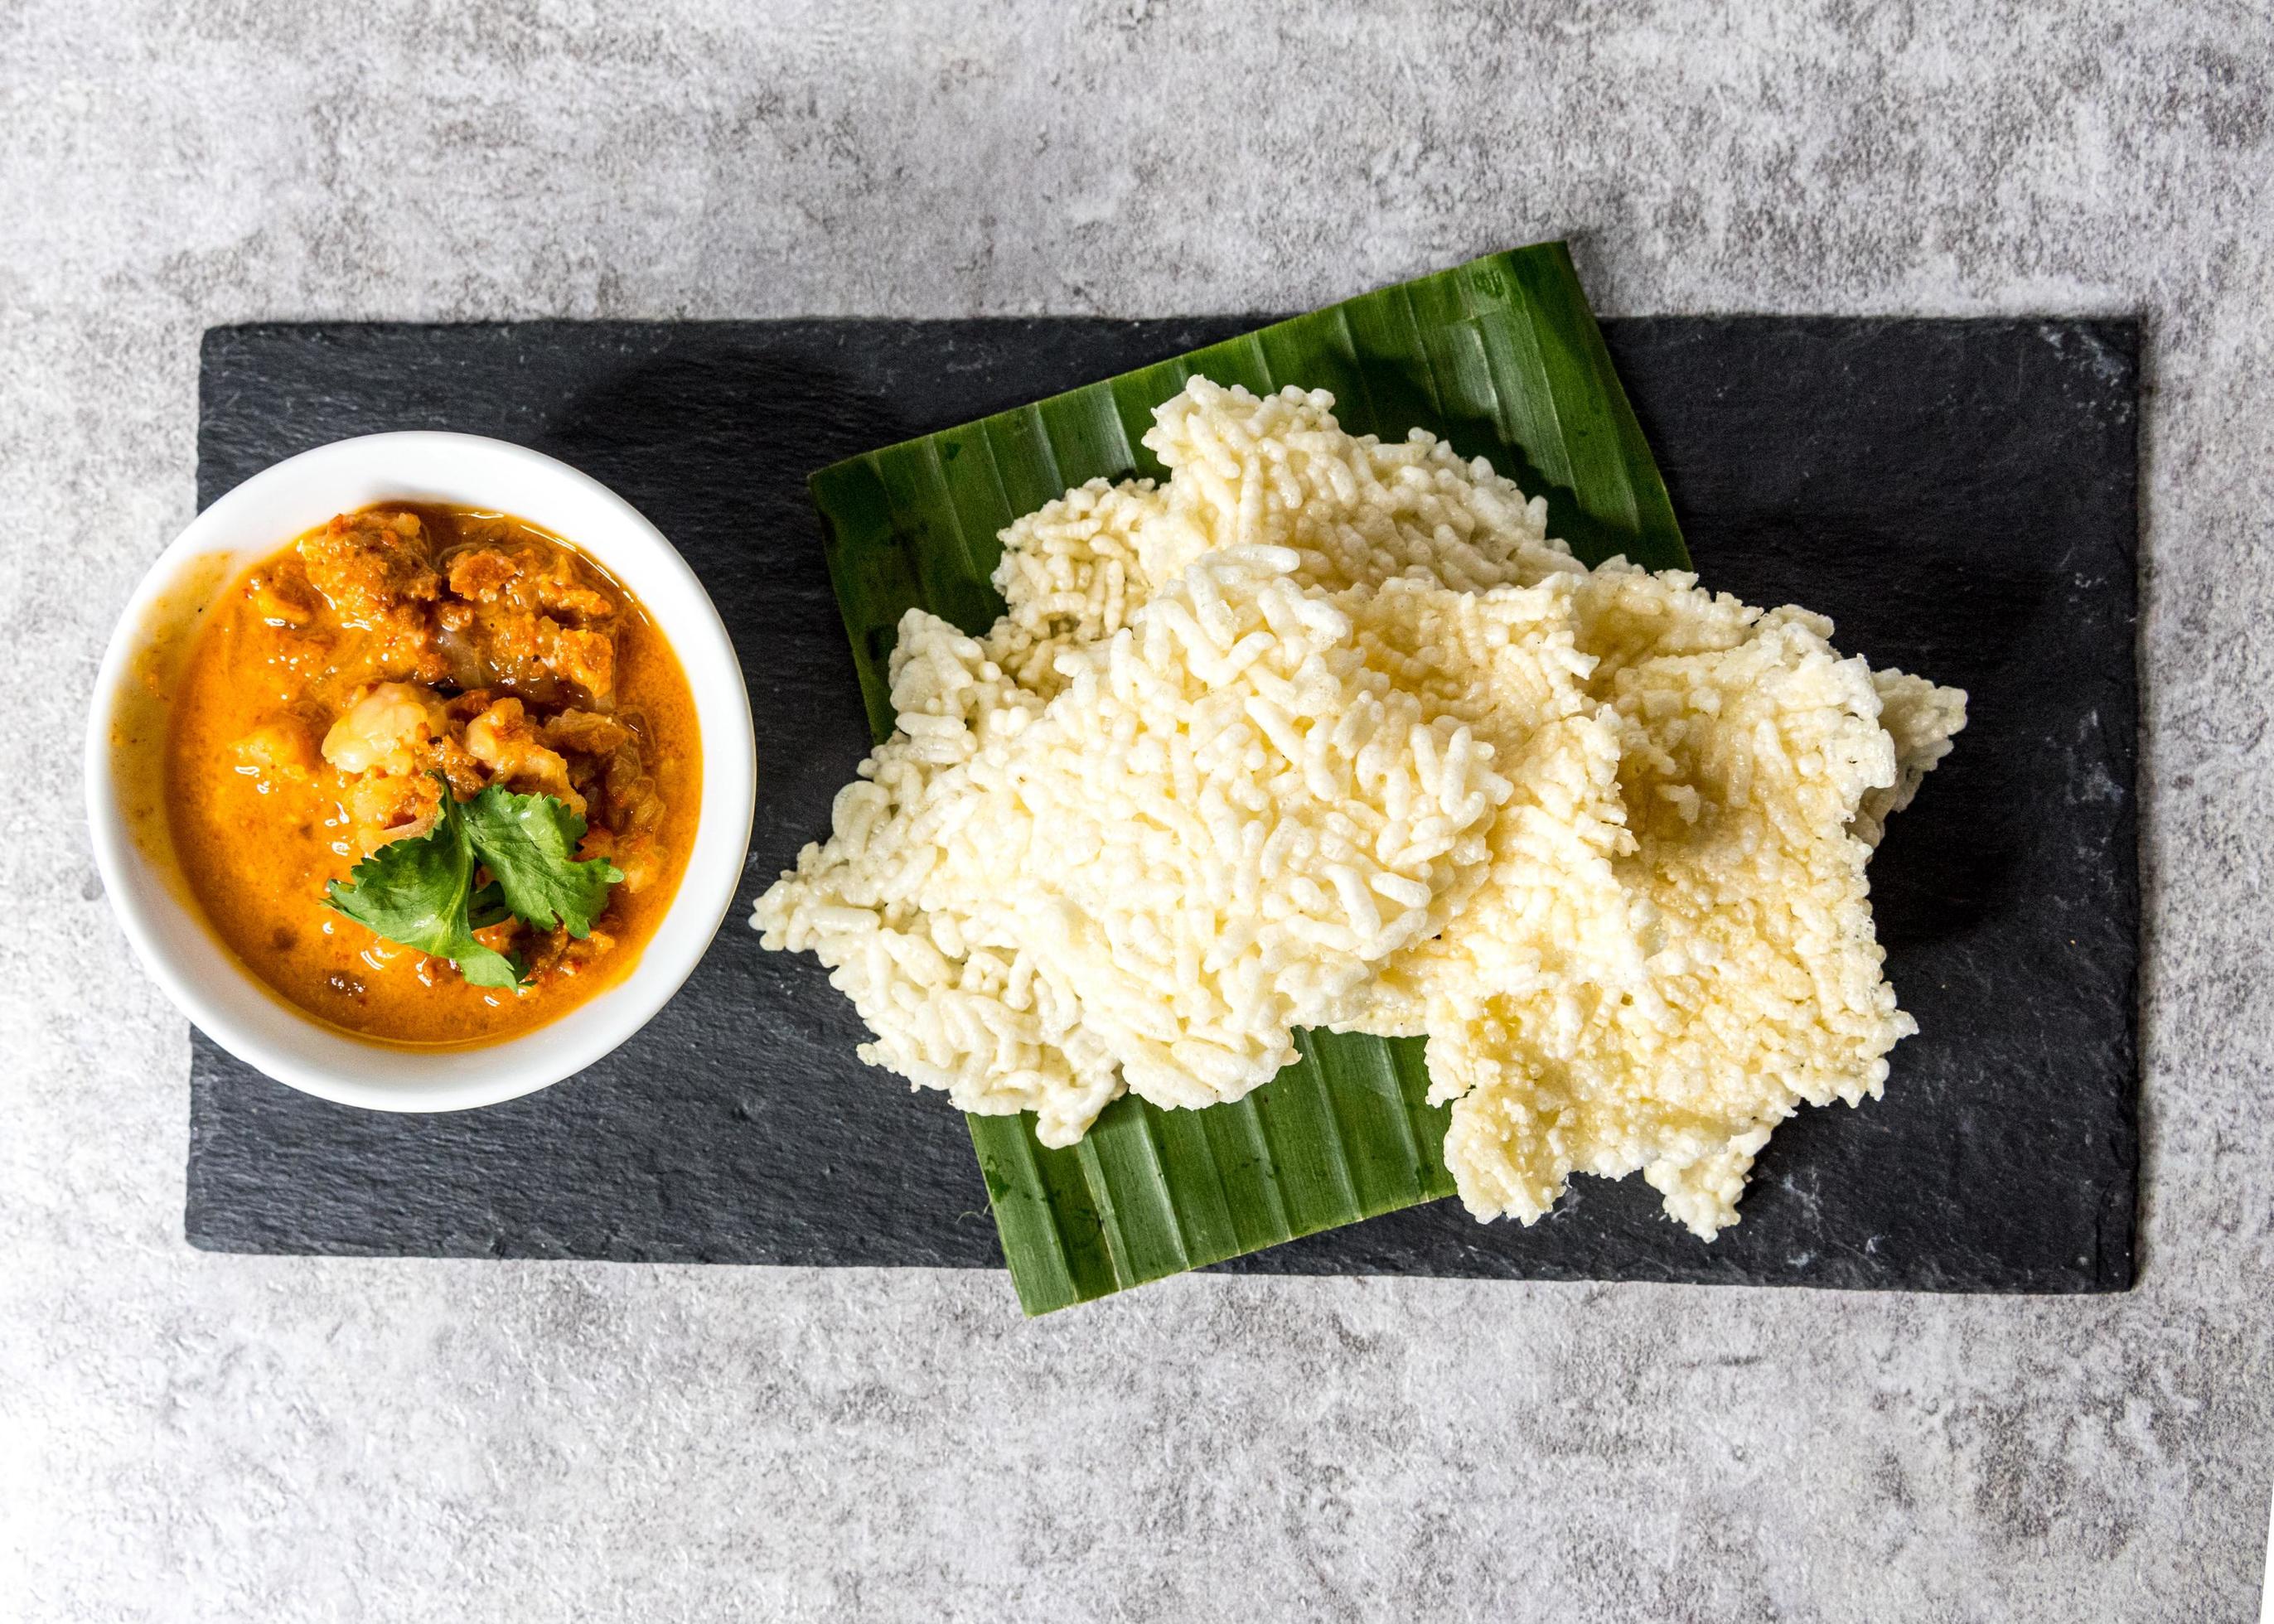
(208, 982)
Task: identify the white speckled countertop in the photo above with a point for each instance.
(185, 1436)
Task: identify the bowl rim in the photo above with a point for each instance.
(286, 1043)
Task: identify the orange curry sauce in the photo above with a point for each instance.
(333, 680)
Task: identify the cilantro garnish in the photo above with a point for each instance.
(421, 890)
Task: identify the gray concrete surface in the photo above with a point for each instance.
(193, 1437)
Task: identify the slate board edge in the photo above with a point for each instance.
(1544, 1274)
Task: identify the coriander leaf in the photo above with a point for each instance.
(529, 843)
(416, 891)
(487, 908)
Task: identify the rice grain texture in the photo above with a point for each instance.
(1326, 732)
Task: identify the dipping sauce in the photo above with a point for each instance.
(340, 687)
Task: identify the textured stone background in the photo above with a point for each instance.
(184, 1436)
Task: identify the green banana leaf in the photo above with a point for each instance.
(1502, 357)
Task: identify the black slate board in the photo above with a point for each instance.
(1959, 495)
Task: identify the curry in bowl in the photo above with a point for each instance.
(432, 774)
